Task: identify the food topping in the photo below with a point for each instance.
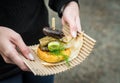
(45, 40)
(52, 46)
(53, 33)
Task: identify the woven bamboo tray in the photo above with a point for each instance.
(42, 70)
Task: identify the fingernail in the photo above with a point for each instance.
(31, 56)
(74, 34)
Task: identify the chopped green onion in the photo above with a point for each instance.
(56, 48)
(52, 46)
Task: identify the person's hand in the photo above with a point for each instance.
(10, 43)
(72, 18)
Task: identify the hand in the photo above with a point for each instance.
(10, 41)
(71, 17)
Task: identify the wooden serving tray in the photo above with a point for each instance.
(40, 69)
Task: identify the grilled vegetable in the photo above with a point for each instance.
(45, 40)
(54, 33)
(43, 48)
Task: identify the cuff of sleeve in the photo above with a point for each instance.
(62, 6)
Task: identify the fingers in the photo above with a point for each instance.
(71, 25)
(74, 24)
(10, 55)
(17, 40)
(9, 42)
(71, 17)
(7, 60)
(73, 28)
(14, 56)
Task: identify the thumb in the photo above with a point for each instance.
(73, 29)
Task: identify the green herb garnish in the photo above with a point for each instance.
(56, 49)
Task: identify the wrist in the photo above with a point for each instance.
(74, 2)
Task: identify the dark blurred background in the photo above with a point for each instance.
(100, 19)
